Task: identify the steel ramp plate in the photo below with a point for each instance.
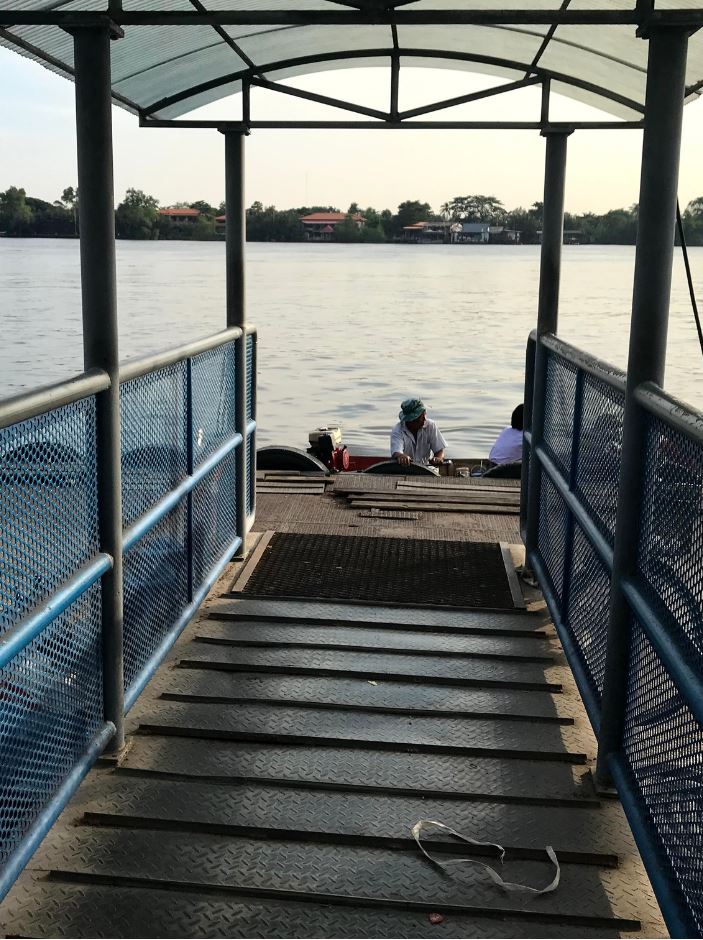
(411, 572)
(47, 909)
(400, 771)
(339, 692)
(279, 765)
(536, 741)
(312, 871)
(578, 834)
(382, 639)
(410, 618)
(373, 666)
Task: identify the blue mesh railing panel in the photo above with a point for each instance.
(49, 508)
(155, 589)
(213, 517)
(51, 719)
(586, 616)
(671, 536)
(213, 384)
(559, 411)
(51, 707)
(551, 538)
(153, 438)
(663, 749)
(600, 447)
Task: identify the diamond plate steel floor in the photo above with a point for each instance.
(381, 570)
(279, 759)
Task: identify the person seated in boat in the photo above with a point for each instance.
(416, 438)
(508, 445)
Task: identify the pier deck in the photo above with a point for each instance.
(279, 759)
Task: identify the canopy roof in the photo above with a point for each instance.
(177, 55)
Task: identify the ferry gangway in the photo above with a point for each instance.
(124, 472)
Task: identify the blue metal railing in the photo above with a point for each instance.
(658, 766)
(178, 444)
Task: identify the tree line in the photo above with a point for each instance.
(138, 217)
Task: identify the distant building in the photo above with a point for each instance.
(473, 232)
(427, 233)
(180, 215)
(320, 226)
(500, 235)
(220, 224)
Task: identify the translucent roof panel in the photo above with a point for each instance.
(169, 69)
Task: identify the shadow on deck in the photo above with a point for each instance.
(280, 758)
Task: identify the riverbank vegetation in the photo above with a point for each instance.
(139, 216)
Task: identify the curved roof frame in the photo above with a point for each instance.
(529, 52)
(249, 75)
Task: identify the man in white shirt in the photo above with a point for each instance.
(508, 445)
(416, 436)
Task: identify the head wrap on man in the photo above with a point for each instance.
(411, 409)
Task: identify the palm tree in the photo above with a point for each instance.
(69, 198)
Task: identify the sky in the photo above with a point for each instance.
(295, 168)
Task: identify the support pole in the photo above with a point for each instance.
(100, 347)
(661, 147)
(236, 310)
(547, 312)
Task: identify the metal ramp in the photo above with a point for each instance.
(279, 761)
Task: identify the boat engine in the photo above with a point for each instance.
(326, 445)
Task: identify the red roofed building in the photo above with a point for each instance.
(320, 226)
(180, 215)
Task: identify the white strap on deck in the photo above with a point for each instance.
(491, 872)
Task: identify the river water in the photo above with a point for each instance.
(346, 331)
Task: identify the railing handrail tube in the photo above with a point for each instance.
(14, 640)
(251, 427)
(145, 523)
(672, 411)
(598, 368)
(136, 368)
(250, 328)
(28, 405)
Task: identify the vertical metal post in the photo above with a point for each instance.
(395, 85)
(100, 348)
(547, 313)
(661, 146)
(190, 464)
(546, 94)
(527, 430)
(236, 310)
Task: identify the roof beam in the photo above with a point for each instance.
(553, 127)
(226, 38)
(465, 99)
(545, 42)
(351, 17)
(319, 99)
